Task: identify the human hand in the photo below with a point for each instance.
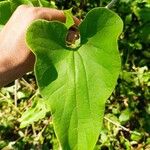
(15, 58)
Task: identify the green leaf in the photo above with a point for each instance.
(143, 14)
(125, 115)
(144, 34)
(36, 112)
(69, 18)
(35, 2)
(45, 3)
(135, 137)
(75, 83)
(5, 12)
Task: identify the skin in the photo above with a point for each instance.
(15, 57)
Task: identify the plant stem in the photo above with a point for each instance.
(24, 82)
(15, 92)
(33, 129)
(122, 127)
(110, 5)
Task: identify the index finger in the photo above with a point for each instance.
(54, 14)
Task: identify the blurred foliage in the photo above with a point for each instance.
(127, 115)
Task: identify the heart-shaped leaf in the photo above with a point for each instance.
(75, 83)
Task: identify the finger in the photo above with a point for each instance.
(76, 21)
(51, 14)
(54, 14)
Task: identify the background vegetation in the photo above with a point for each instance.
(127, 115)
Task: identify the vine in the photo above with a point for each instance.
(111, 4)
